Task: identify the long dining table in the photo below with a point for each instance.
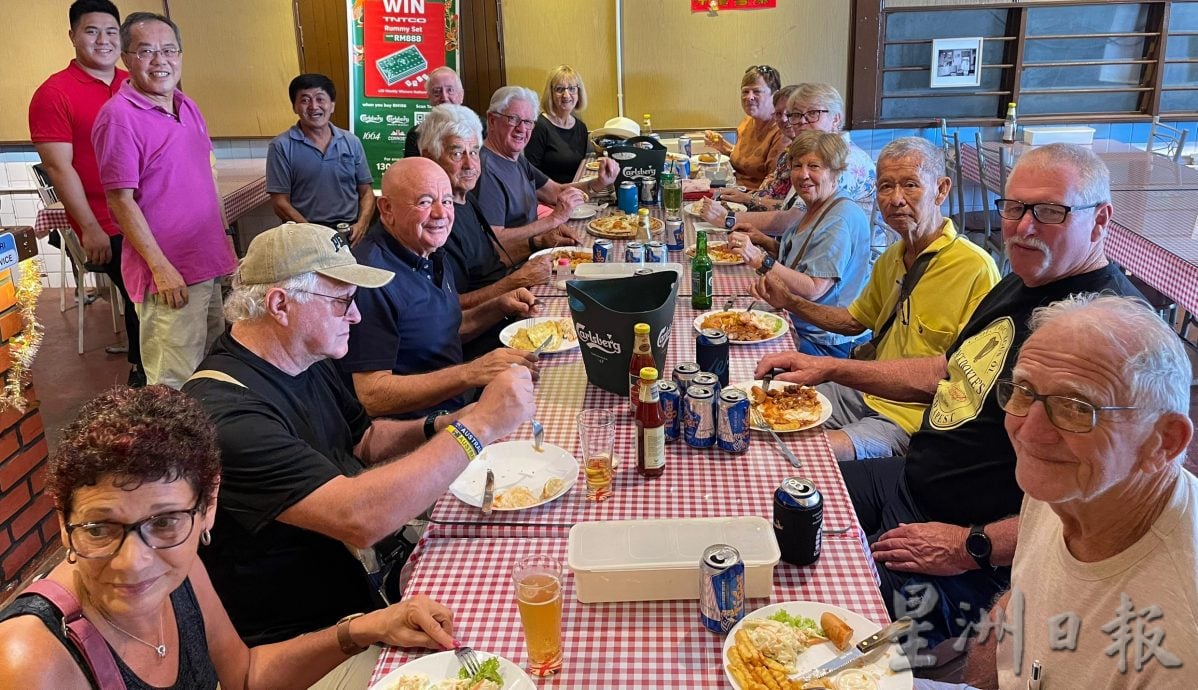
(464, 558)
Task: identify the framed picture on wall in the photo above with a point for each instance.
(956, 62)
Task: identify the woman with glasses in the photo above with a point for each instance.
(559, 139)
(758, 141)
(825, 257)
(134, 480)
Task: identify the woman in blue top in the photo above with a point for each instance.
(825, 258)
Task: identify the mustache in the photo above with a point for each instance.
(1028, 243)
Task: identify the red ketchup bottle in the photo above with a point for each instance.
(642, 356)
(650, 427)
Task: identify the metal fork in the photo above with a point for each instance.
(467, 658)
(759, 421)
(538, 434)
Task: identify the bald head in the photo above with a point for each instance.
(444, 86)
(417, 204)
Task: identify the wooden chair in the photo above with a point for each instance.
(1166, 140)
(72, 248)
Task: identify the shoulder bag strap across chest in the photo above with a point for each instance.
(82, 634)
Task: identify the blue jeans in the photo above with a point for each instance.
(809, 347)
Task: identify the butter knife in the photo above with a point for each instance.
(541, 348)
(488, 492)
(869, 644)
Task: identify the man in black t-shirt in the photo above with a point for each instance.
(943, 519)
(308, 479)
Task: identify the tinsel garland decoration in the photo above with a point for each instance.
(23, 347)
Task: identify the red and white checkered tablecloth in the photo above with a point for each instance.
(652, 644)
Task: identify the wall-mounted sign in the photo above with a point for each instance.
(715, 5)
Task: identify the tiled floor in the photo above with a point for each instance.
(65, 379)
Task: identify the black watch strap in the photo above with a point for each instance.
(767, 262)
(978, 546)
(729, 221)
(430, 423)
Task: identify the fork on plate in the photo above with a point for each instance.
(538, 435)
(759, 421)
(467, 658)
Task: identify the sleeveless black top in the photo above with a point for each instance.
(196, 671)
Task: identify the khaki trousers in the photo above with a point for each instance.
(353, 673)
(173, 341)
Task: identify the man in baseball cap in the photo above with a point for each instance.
(306, 473)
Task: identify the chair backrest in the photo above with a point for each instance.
(1166, 140)
(45, 188)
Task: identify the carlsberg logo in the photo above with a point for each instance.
(639, 172)
(596, 342)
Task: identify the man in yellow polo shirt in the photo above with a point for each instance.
(922, 291)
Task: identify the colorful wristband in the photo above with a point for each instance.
(466, 439)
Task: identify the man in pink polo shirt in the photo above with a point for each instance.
(154, 153)
(61, 115)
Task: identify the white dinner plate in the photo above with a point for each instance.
(553, 251)
(508, 335)
(878, 663)
(694, 208)
(516, 463)
(690, 252)
(584, 211)
(696, 162)
(781, 325)
(443, 665)
(824, 403)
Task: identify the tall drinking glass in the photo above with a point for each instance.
(597, 435)
(538, 581)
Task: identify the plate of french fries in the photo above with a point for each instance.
(772, 646)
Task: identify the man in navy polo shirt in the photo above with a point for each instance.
(317, 172)
(405, 355)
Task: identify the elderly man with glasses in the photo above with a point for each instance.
(942, 519)
(1109, 523)
(443, 86)
(510, 187)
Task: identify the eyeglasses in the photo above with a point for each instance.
(105, 539)
(515, 121)
(345, 302)
(147, 53)
(1065, 413)
(559, 90)
(762, 70)
(1049, 214)
(798, 118)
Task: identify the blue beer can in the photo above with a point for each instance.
(708, 380)
(698, 417)
(684, 373)
(627, 197)
(671, 408)
(799, 520)
(634, 253)
(655, 253)
(684, 146)
(601, 251)
(682, 168)
(721, 588)
(675, 235)
(732, 423)
(711, 351)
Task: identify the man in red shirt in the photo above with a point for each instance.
(61, 115)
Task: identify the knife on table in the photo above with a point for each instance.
(869, 644)
(488, 492)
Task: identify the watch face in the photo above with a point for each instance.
(978, 545)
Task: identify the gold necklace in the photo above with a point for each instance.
(159, 649)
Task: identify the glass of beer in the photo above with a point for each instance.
(538, 581)
(597, 435)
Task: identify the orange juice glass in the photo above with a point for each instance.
(538, 582)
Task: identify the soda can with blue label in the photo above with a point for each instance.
(711, 351)
(732, 422)
(684, 146)
(675, 235)
(698, 417)
(799, 520)
(682, 168)
(671, 409)
(634, 253)
(655, 253)
(601, 251)
(684, 373)
(708, 380)
(627, 198)
(721, 588)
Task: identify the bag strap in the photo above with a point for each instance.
(216, 376)
(811, 231)
(82, 634)
(905, 289)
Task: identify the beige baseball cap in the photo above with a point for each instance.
(293, 249)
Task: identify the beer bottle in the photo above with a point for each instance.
(642, 356)
(650, 428)
(701, 273)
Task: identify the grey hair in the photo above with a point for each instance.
(1094, 183)
(824, 95)
(248, 302)
(1152, 364)
(784, 93)
(504, 96)
(448, 120)
(931, 157)
(142, 17)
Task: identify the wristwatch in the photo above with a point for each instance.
(977, 545)
(343, 638)
(729, 221)
(430, 423)
(767, 262)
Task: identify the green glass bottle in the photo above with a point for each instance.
(701, 273)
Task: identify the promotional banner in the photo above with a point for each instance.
(713, 5)
(394, 45)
